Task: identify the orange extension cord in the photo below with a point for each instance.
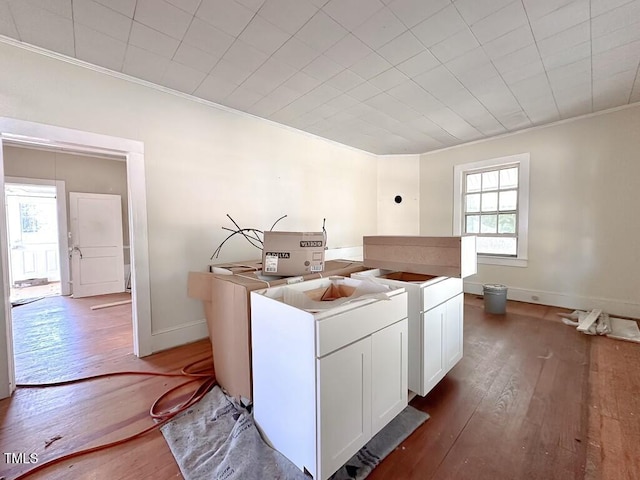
(206, 377)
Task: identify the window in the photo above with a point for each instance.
(491, 202)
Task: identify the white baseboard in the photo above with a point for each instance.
(181, 335)
(344, 253)
(610, 305)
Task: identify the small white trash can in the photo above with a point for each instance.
(495, 298)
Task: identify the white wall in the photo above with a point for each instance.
(202, 162)
(583, 217)
(399, 175)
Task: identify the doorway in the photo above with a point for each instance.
(34, 250)
(35, 135)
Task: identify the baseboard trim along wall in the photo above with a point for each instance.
(609, 305)
(180, 335)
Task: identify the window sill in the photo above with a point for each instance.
(507, 262)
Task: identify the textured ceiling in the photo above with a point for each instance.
(390, 76)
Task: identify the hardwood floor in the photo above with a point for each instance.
(531, 399)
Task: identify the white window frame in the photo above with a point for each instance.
(459, 171)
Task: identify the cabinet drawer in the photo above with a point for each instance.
(346, 327)
(433, 295)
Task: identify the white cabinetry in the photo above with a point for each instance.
(325, 382)
(435, 324)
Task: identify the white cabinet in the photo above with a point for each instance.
(325, 382)
(436, 324)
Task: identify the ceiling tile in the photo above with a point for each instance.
(453, 124)
(283, 95)
(568, 76)
(353, 13)
(509, 42)
(343, 102)
(475, 10)
(102, 19)
(454, 46)
(598, 7)
(265, 107)
(125, 7)
(145, 65)
(412, 12)
(345, 80)
(7, 26)
(621, 17)
(539, 8)
(535, 67)
(253, 5)
(616, 38)
(423, 62)
(163, 16)
(364, 91)
(322, 68)
(635, 94)
(389, 79)
(214, 89)
(561, 19)
(619, 59)
(401, 48)
(43, 28)
(518, 59)
(348, 51)
(152, 40)
(263, 35)
(470, 61)
(442, 25)
(208, 38)
(99, 49)
(532, 88)
(567, 56)
(440, 82)
(268, 77)
(570, 37)
(321, 32)
(226, 15)
(501, 22)
(242, 98)
(231, 72)
(379, 29)
(413, 95)
(244, 55)
(370, 66)
(298, 12)
(195, 58)
(182, 78)
(296, 53)
(59, 7)
(302, 83)
(189, 6)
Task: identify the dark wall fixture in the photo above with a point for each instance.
(398, 199)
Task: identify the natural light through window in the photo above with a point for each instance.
(492, 204)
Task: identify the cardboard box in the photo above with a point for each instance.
(439, 256)
(293, 253)
(225, 293)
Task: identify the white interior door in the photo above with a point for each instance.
(97, 260)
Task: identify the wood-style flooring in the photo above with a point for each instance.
(531, 399)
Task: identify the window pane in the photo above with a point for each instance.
(490, 202)
(473, 182)
(509, 178)
(508, 200)
(488, 223)
(473, 203)
(490, 180)
(473, 224)
(507, 223)
(497, 245)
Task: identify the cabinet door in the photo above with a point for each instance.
(344, 407)
(389, 374)
(453, 332)
(432, 340)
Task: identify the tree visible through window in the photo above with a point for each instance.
(490, 199)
